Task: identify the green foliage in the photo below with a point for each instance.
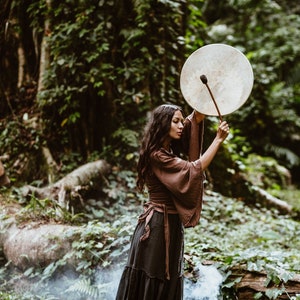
(230, 234)
(290, 195)
(112, 61)
(236, 236)
(46, 210)
(123, 149)
(196, 26)
(102, 243)
(71, 160)
(256, 168)
(101, 66)
(20, 140)
(127, 136)
(13, 296)
(267, 32)
(85, 288)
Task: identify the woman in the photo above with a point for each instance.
(175, 187)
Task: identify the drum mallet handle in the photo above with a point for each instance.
(204, 81)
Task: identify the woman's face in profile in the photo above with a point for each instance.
(176, 125)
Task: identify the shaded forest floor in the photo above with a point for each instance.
(231, 236)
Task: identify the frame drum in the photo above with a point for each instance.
(229, 75)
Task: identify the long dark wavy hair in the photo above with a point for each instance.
(156, 131)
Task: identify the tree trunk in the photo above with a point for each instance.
(44, 64)
(45, 55)
(4, 22)
(52, 166)
(21, 65)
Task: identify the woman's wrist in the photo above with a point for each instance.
(198, 116)
(218, 140)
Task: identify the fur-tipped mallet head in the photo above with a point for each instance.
(203, 79)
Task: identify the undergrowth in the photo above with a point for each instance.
(235, 236)
(231, 235)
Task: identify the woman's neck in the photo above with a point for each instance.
(167, 145)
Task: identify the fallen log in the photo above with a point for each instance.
(270, 201)
(242, 188)
(85, 177)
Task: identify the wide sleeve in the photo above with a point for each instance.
(184, 180)
(192, 137)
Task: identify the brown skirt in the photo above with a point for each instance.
(144, 276)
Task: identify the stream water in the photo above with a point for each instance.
(207, 286)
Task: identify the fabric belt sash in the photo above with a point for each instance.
(149, 209)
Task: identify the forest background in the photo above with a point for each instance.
(78, 79)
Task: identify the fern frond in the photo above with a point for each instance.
(84, 287)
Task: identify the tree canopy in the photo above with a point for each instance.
(78, 78)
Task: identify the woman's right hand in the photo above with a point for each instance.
(223, 131)
(209, 154)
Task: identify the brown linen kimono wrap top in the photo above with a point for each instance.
(176, 185)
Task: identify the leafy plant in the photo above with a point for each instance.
(46, 210)
(85, 288)
(236, 236)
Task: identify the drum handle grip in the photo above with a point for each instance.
(204, 81)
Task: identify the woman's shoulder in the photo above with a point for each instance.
(162, 158)
(158, 153)
(162, 155)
